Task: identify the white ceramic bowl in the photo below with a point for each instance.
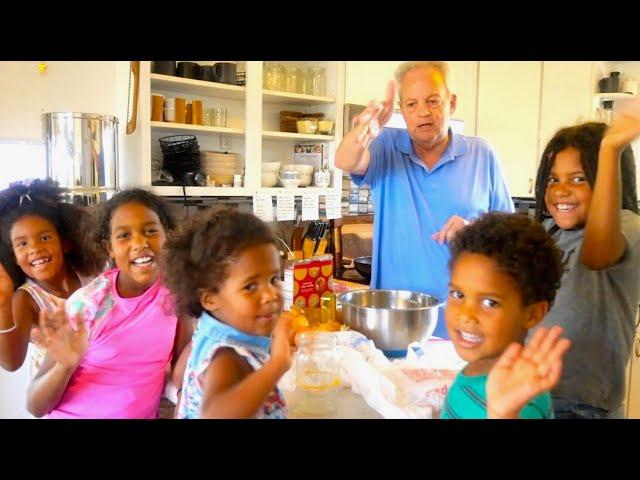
(290, 182)
(288, 173)
(302, 168)
(269, 179)
(270, 166)
(306, 180)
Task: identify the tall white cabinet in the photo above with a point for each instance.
(509, 118)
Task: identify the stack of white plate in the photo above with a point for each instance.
(220, 166)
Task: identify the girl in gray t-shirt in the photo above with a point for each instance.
(586, 198)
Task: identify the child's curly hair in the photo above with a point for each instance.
(521, 248)
(201, 255)
(585, 138)
(102, 232)
(44, 198)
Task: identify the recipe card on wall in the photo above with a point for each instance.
(333, 205)
(263, 206)
(285, 207)
(310, 206)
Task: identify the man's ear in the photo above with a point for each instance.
(536, 314)
(208, 299)
(454, 102)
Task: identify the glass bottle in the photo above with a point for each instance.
(317, 372)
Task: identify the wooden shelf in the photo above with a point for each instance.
(185, 127)
(288, 98)
(295, 136)
(172, 191)
(187, 86)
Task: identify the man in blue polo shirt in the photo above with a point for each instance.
(426, 182)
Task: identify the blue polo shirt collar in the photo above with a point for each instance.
(456, 148)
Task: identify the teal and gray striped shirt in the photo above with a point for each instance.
(467, 399)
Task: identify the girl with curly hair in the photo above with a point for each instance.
(43, 254)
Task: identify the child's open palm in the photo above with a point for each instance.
(65, 344)
(625, 126)
(522, 373)
(6, 286)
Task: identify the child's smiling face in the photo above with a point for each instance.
(37, 247)
(135, 244)
(485, 311)
(568, 194)
(251, 297)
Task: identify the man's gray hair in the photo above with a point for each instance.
(441, 67)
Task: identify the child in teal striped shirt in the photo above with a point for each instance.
(505, 270)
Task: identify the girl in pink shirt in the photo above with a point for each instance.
(110, 345)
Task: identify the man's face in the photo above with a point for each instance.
(426, 106)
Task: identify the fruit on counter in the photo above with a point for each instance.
(300, 323)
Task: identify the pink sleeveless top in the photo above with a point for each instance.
(122, 374)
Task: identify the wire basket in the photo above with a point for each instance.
(179, 144)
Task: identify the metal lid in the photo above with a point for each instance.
(89, 116)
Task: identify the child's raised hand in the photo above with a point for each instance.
(66, 345)
(6, 286)
(282, 341)
(522, 373)
(625, 126)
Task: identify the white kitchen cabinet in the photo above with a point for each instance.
(508, 118)
(367, 80)
(567, 98)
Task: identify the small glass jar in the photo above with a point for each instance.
(291, 79)
(274, 77)
(219, 117)
(207, 116)
(317, 372)
(317, 82)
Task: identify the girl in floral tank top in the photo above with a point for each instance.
(42, 252)
(225, 269)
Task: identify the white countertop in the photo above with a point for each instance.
(347, 405)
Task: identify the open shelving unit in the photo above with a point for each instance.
(252, 129)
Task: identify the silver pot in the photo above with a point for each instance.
(391, 318)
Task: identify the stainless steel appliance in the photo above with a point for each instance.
(82, 154)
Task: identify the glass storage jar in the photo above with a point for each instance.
(317, 372)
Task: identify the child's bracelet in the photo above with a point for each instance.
(9, 329)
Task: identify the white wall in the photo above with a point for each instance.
(89, 87)
(25, 93)
(13, 391)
